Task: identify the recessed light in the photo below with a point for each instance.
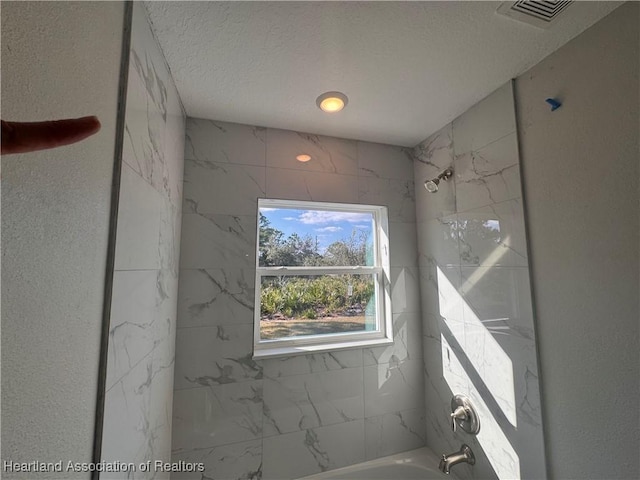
(303, 157)
(332, 102)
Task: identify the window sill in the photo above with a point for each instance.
(288, 351)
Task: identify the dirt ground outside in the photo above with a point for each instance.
(293, 327)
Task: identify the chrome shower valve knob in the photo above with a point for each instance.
(460, 413)
(464, 415)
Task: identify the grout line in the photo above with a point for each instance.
(199, 449)
(477, 149)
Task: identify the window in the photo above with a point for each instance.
(322, 277)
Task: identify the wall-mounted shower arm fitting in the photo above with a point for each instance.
(432, 185)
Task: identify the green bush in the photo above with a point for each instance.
(309, 313)
(307, 296)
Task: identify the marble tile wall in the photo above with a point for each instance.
(478, 333)
(287, 417)
(139, 386)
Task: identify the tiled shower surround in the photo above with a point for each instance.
(287, 417)
(467, 312)
(139, 383)
(476, 298)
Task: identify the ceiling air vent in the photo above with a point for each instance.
(536, 13)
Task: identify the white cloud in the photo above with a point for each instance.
(328, 229)
(289, 218)
(319, 217)
(493, 225)
(363, 226)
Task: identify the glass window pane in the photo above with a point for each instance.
(292, 237)
(297, 306)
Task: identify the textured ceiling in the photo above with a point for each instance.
(408, 68)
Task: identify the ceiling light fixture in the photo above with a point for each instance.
(303, 157)
(332, 102)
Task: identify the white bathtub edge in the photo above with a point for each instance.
(421, 456)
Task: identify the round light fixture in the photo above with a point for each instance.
(332, 102)
(303, 157)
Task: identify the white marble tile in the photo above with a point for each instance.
(143, 315)
(503, 458)
(237, 461)
(394, 433)
(432, 363)
(384, 161)
(137, 415)
(212, 416)
(488, 175)
(328, 154)
(221, 142)
(438, 394)
(430, 325)
(439, 292)
(431, 158)
(215, 356)
(304, 364)
(298, 454)
(504, 450)
(397, 195)
(429, 295)
(454, 371)
(507, 372)
(392, 387)
(485, 122)
(141, 351)
(438, 240)
(148, 235)
(407, 342)
(528, 398)
(150, 65)
(300, 402)
(403, 244)
(222, 188)
(169, 238)
(216, 297)
(291, 184)
(144, 122)
(152, 100)
(494, 367)
(174, 138)
(440, 440)
(218, 241)
(140, 216)
(405, 289)
(493, 235)
(500, 298)
(434, 154)
(503, 389)
(153, 144)
(482, 468)
(476, 301)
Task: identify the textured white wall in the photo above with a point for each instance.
(58, 60)
(580, 169)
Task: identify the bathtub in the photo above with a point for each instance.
(420, 464)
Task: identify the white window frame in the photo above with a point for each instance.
(382, 335)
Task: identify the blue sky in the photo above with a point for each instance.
(326, 226)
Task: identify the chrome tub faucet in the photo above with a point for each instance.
(464, 455)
